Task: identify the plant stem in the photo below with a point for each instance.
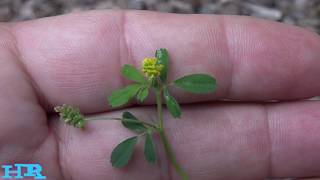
(120, 119)
(169, 152)
(159, 107)
(102, 118)
(171, 155)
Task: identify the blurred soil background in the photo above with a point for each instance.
(305, 13)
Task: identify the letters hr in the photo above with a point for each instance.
(32, 170)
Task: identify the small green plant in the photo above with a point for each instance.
(153, 76)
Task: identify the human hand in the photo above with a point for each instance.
(75, 59)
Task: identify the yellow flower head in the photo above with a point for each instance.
(150, 67)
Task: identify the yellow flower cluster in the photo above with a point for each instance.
(150, 67)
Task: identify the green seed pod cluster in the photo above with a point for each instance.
(70, 115)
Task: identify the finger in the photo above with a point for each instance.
(76, 58)
(24, 133)
(216, 141)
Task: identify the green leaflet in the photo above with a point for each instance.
(172, 104)
(122, 96)
(131, 122)
(122, 154)
(163, 58)
(149, 149)
(130, 72)
(197, 83)
(143, 93)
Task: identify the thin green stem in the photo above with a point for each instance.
(169, 152)
(102, 118)
(142, 134)
(120, 119)
(159, 107)
(171, 155)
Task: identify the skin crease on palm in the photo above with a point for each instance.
(76, 59)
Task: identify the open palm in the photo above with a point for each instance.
(76, 59)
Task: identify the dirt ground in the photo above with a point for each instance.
(305, 13)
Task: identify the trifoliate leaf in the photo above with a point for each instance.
(122, 96)
(70, 115)
(122, 154)
(130, 72)
(163, 59)
(143, 93)
(172, 104)
(197, 83)
(131, 122)
(149, 149)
